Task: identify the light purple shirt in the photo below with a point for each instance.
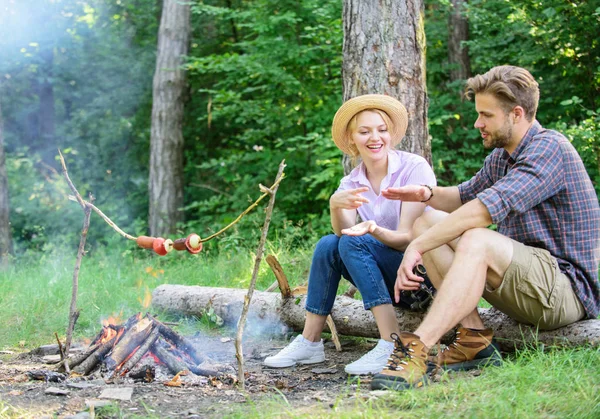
(403, 169)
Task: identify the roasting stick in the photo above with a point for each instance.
(266, 192)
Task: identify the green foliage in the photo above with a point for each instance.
(552, 39)
(585, 136)
(273, 86)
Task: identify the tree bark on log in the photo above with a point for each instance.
(351, 318)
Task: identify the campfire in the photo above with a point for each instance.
(135, 348)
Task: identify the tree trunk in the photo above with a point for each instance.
(384, 52)
(5, 236)
(166, 139)
(268, 310)
(458, 33)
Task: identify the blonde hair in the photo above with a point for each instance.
(512, 86)
(352, 126)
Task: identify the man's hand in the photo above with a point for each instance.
(406, 279)
(409, 193)
(361, 229)
(348, 199)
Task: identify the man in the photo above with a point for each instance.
(541, 265)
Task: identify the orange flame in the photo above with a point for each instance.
(145, 302)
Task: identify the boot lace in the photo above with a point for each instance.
(400, 356)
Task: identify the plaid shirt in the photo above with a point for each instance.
(541, 196)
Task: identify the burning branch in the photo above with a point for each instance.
(259, 253)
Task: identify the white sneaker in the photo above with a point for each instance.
(298, 351)
(373, 361)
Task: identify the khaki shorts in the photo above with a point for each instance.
(535, 291)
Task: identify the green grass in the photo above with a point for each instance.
(533, 383)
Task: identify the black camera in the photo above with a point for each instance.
(419, 300)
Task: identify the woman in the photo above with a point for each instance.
(369, 253)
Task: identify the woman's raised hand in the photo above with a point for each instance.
(348, 199)
(361, 229)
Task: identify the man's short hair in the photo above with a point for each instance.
(512, 86)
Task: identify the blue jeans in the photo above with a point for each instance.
(364, 261)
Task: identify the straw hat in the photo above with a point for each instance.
(392, 107)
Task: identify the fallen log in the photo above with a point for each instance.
(351, 318)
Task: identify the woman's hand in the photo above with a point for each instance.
(406, 279)
(361, 229)
(348, 199)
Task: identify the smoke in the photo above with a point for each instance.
(77, 76)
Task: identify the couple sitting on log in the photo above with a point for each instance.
(540, 266)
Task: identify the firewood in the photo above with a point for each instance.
(174, 364)
(86, 366)
(180, 341)
(132, 338)
(140, 352)
(77, 359)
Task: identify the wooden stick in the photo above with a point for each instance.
(141, 351)
(267, 192)
(334, 334)
(174, 364)
(73, 312)
(179, 341)
(61, 348)
(259, 253)
(91, 361)
(77, 359)
(106, 219)
(282, 280)
(271, 191)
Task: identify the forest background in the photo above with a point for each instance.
(263, 83)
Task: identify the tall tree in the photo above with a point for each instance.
(458, 34)
(384, 52)
(166, 138)
(5, 236)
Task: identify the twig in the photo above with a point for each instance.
(259, 252)
(66, 175)
(282, 280)
(61, 348)
(73, 312)
(271, 191)
(105, 218)
(334, 334)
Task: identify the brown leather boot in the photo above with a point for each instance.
(407, 366)
(471, 348)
